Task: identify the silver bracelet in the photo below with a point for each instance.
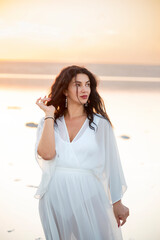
(49, 117)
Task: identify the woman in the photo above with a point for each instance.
(82, 178)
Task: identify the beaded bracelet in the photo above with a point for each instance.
(49, 117)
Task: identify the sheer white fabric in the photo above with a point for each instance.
(47, 166)
(81, 183)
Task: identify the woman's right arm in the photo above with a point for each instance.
(46, 146)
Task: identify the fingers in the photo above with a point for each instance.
(118, 221)
(123, 222)
(37, 101)
(123, 218)
(42, 100)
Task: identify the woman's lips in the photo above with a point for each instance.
(84, 96)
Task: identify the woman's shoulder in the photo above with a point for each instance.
(100, 119)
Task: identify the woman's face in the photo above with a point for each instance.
(79, 87)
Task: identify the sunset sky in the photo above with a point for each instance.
(99, 31)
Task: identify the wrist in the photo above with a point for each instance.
(49, 117)
(116, 203)
(49, 114)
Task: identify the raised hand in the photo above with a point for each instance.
(41, 102)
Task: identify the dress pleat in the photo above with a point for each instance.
(75, 207)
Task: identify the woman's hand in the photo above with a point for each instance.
(49, 110)
(121, 212)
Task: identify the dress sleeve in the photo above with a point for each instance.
(43, 163)
(47, 166)
(113, 168)
(38, 136)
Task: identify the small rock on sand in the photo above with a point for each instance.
(10, 230)
(14, 107)
(32, 186)
(31, 124)
(17, 179)
(125, 137)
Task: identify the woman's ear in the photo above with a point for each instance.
(65, 92)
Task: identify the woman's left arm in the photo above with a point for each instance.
(116, 179)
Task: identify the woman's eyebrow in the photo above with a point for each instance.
(80, 81)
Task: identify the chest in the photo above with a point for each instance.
(73, 127)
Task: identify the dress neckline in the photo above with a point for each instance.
(76, 134)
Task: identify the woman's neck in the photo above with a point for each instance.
(75, 112)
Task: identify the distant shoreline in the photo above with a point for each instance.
(107, 85)
(52, 68)
(111, 77)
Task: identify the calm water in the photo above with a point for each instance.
(133, 113)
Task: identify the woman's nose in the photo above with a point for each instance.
(83, 88)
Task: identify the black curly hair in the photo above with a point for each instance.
(62, 80)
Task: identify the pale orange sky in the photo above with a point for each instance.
(100, 31)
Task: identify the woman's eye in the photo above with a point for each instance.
(78, 84)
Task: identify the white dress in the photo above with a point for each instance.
(79, 185)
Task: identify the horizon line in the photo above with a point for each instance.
(77, 62)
